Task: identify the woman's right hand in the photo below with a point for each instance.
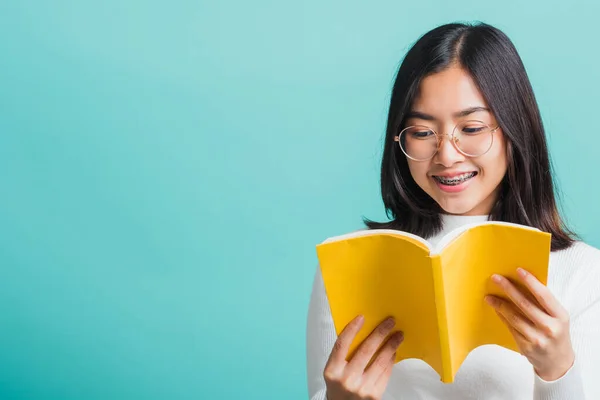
(356, 379)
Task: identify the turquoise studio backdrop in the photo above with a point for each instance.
(168, 167)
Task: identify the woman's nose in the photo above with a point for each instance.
(447, 153)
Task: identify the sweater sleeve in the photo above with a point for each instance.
(320, 338)
(582, 381)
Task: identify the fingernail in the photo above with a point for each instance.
(496, 278)
(360, 319)
(490, 300)
(389, 322)
(522, 273)
(397, 339)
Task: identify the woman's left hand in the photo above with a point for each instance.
(541, 330)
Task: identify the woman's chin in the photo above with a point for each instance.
(458, 206)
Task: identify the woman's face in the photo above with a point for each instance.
(445, 99)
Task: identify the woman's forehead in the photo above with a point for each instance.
(447, 93)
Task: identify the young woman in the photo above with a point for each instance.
(465, 143)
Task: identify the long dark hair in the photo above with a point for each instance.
(527, 192)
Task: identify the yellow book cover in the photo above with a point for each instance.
(435, 293)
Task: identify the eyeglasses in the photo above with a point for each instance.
(471, 138)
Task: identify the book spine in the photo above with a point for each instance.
(447, 375)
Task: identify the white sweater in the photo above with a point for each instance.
(490, 371)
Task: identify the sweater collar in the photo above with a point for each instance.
(450, 221)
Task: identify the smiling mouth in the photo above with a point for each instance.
(455, 180)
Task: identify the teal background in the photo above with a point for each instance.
(167, 168)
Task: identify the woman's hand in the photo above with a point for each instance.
(540, 327)
(355, 379)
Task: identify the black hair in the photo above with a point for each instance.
(526, 194)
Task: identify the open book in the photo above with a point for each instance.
(436, 294)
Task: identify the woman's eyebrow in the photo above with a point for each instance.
(419, 115)
(470, 110)
(459, 114)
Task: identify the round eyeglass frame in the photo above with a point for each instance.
(452, 137)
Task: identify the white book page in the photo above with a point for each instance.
(450, 236)
(368, 232)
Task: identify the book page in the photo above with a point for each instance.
(391, 232)
(452, 235)
(380, 276)
(467, 266)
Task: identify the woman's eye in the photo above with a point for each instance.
(473, 130)
(422, 134)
